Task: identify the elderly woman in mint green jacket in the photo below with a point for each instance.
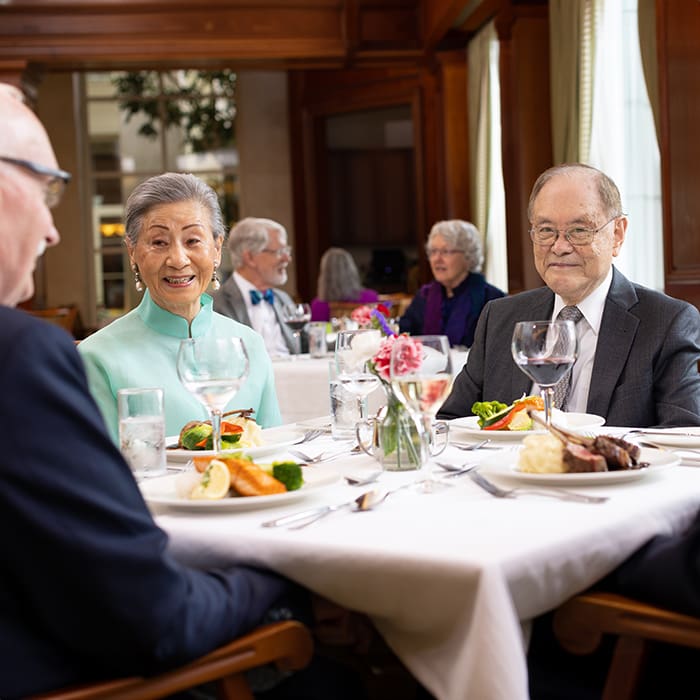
(174, 235)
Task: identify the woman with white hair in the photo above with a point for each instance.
(450, 305)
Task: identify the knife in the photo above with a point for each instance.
(299, 517)
(670, 432)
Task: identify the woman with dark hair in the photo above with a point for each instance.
(174, 234)
(338, 280)
(451, 304)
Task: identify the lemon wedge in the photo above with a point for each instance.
(215, 482)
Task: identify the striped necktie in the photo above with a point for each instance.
(563, 386)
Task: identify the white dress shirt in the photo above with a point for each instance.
(262, 318)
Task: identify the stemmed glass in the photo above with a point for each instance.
(213, 370)
(545, 351)
(296, 316)
(353, 349)
(421, 377)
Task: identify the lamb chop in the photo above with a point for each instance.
(581, 451)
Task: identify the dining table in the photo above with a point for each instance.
(450, 575)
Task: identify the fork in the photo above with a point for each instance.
(561, 494)
(473, 446)
(310, 435)
(321, 457)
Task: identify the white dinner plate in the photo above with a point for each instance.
(275, 440)
(469, 426)
(658, 460)
(671, 437)
(162, 491)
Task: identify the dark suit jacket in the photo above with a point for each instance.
(229, 301)
(87, 587)
(645, 371)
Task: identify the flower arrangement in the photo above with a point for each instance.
(397, 432)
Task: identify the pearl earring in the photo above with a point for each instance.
(137, 279)
(215, 280)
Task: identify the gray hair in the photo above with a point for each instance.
(338, 277)
(461, 235)
(607, 189)
(170, 188)
(251, 234)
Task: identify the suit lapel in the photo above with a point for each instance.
(236, 302)
(618, 329)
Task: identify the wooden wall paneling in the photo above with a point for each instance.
(678, 29)
(525, 125)
(455, 131)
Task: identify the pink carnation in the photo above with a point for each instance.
(409, 359)
(362, 315)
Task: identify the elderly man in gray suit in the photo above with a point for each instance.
(260, 256)
(638, 349)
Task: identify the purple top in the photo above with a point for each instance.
(321, 310)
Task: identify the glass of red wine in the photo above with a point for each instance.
(545, 351)
(296, 316)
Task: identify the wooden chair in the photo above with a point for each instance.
(286, 644)
(64, 316)
(581, 622)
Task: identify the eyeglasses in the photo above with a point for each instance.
(576, 235)
(284, 251)
(434, 252)
(54, 186)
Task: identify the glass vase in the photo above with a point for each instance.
(398, 436)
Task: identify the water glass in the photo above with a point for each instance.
(142, 430)
(346, 406)
(317, 339)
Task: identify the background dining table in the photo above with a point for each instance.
(302, 384)
(451, 578)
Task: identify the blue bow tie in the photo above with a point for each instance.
(256, 297)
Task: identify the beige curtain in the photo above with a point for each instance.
(484, 116)
(646, 23)
(571, 74)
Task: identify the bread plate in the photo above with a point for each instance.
(163, 491)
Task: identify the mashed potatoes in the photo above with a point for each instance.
(252, 432)
(541, 454)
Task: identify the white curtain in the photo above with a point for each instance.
(484, 114)
(623, 138)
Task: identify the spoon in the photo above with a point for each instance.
(353, 481)
(365, 501)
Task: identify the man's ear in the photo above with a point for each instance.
(619, 234)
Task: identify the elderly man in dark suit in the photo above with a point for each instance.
(638, 348)
(260, 256)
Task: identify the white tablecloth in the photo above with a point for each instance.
(451, 578)
(302, 386)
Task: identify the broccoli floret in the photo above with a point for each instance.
(486, 410)
(289, 473)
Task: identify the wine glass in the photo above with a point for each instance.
(421, 377)
(545, 351)
(296, 316)
(353, 349)
(213, 370)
